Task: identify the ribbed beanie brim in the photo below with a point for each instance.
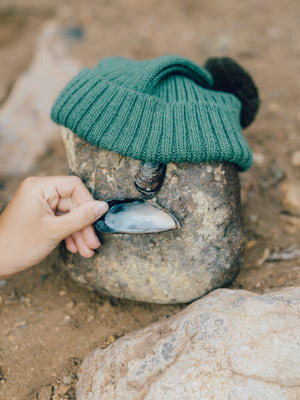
(159, 110)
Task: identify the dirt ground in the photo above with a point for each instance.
(48, 323)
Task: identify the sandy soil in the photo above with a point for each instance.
(48, 323)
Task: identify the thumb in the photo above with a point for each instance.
(80, 217)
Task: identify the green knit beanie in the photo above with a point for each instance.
(158, 110)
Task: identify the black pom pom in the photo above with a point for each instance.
(230, 77)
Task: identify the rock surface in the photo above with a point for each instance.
(169, 267)
(25, 125)
(230, 344)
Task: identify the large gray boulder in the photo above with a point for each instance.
(230, 344)
(169, 267)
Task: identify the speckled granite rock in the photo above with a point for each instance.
(170, 267)
(230, 344)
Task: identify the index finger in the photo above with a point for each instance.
(71, 187)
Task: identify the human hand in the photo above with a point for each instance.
(43, 212)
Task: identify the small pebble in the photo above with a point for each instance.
(296, 159)
(26, 300)
(67, 318)
(253, 218)
(3, 282)
(62, 389)
(20, 324)
(62, 292)
(251, 244)
(70, 304)
(45, 393)
(258, 159)
(67, 380)
(291, 196)
(108, 341)
(264, 257)
(3, 376)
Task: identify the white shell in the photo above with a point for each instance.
(136, 216)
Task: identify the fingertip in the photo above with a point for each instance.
(87, 253)
(96, 246)
(90, 237)
(100, 208)
(95, 242)
(71, 245)
(84, 250)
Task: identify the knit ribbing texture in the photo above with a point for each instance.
(159, 110)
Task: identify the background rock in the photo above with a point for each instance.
(25, 125)
(291, 196)
(169, 267)
(295, 160)
(229, 345)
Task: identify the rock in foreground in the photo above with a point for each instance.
(167, 267)
(229, 345)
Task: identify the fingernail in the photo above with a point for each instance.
(100, 208)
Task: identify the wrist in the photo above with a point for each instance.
(8, 260)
